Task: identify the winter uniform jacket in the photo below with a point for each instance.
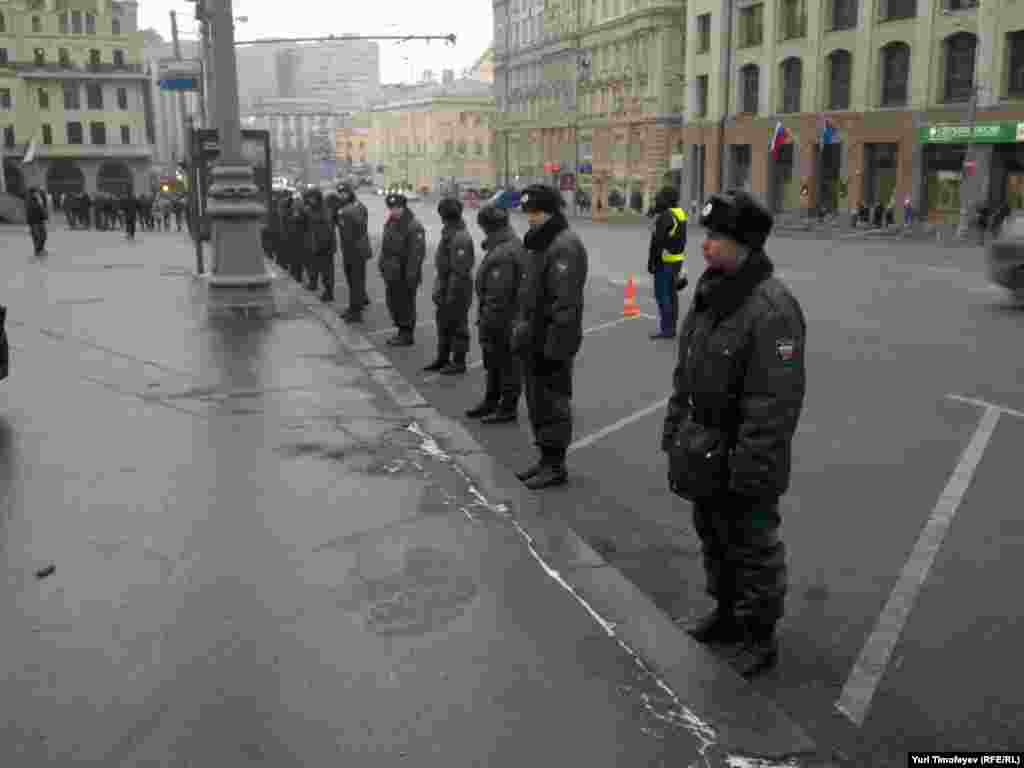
(403, 248)
(549, 320)
(741, 370)
(454, 258)
(319, 230)
(497, 284)
(35, 212)
(352, 228)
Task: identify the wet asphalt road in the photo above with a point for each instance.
(257, 562)
(893, 329)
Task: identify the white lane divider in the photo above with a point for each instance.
(614, 427)
(586, 332)
(856, 695)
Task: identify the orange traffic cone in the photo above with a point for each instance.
(632, 309)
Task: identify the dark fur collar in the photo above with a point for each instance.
(541, 238)
(498, 237)
(724, 294)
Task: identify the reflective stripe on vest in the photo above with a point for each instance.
(674, 258)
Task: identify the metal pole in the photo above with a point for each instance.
(576, 122)
(969, 155)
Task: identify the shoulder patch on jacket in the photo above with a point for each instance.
(786, 349)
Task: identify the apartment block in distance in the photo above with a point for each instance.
(72, 78)
(891, 81)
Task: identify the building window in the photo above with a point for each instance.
(791, 72)
(750, 86)
(44, 98)
(64, 57)
(895, 74)
(1015, 55)
(115, 26)
(37, 25)
(961, 5)
(5, 98)
(90, 24)
(74, 133)
(126, 134)
(122, 98)
(62, 21)
(3, 22)
(9, 136)
(702, 95)
(94, 96)
(98, 133)
(3, 57)
(94, 58)
(704, 33)
(844, 15)
(47, 134)
(792, 19)
(118, 57)
(891, 10)
(840, 73)
(959, 50)
(751, 25)
(39, 57)
(72, 99)
(76, 22)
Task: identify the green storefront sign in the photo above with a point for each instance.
(983, 133)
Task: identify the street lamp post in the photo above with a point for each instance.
(970, 156)
(234, 206)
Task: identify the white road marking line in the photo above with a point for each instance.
(586, 332)
(867, 672)
(625, 421)
(987, 404)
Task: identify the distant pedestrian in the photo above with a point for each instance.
(908, 212)
(738, 389)
(352, 221)
(548, 330)
(666, 259)
(35, 217)
(130, 211)
(321, 245)
(497, 286)
(453, 290)
(403, 249)
(178, 207)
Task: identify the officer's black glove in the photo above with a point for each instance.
(682, 282)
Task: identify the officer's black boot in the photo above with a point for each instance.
(352, 315)
(530, 472)
(483, 410)
(505, 413)
(443, 354)
(758, 650)
(455, 367)
(551, 473)
(719, 626)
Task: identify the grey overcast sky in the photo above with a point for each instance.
(471, 23)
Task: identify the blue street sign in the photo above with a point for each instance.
(180, 84)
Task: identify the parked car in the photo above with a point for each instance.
(506, 198)
(1006, 256)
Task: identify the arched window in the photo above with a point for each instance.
(791, 73)
(958, 55)
(750, 86)
(115, 26)
(3, 22)
(895, 74)
(1015, 69)
(840, 73)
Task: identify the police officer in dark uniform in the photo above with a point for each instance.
(666, 259)
(497, 285)
(320, 244)
(351, 220)
(453, 290)
(403, 248)
(548, 330)
(738, 390)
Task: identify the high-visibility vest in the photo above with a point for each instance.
(674, 258)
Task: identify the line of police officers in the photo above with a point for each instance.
(738, 386)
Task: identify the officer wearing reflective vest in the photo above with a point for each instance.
(666, 259)
(738, 390)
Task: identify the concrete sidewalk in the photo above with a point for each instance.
(269, 548)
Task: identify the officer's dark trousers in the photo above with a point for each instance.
(744, 560)
(452, 333)
(665, 294)
(504, 375)
(38, 232)
(355, 276)
(401, 300)
(129, 226)
(549, 404)
(323, 269)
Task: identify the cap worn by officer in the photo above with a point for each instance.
(737, 215)
(345, 192)
(395, 200)
(449, 208)
(491, 218)
(543, 198)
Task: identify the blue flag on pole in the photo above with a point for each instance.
(829, 134)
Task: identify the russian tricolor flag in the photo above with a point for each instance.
(780, 137)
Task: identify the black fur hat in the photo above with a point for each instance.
(396, 200)
(491, 218)
(738, 215)
(542, 197)
(449, 208)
